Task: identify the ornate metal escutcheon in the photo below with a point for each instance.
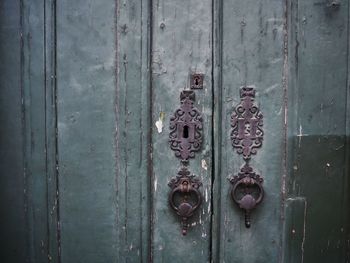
(247, 136)
(247, 190)
(185, 197)
(247, 122)
(186, 128)
(185, 139)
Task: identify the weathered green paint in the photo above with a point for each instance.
(85, 169)
(133, 130)
(318, 146)
(35, 136)
(12, 182)
(181, 44)
(53, 246)
(252, 40)
(86, 131)
(34, 111)
(294, 231)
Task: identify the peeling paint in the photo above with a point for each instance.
(159, 123)
(204, 165)
(155, 185)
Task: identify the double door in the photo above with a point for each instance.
(172, 131)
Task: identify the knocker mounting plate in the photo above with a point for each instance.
(247, 190)
(246, 122)
(247, 136)
(186, 128)
(185, 197)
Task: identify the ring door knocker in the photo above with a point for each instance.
(185, 139)
(247, 136)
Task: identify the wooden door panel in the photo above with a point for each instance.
(318, 130)
(87, 93)
(133, 130)
(181, 44)
(86, 131)
(252, 54)
(12, 182)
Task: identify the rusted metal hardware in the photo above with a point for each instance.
(185, 139)
(247, 190)
(186, 128)
(196, 81)
(247, 122)
(185, 196)
(247, 136)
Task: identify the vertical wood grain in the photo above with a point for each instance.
(250, 42)
(12, 181)
(318, 141)
(86, 131)
(181, 44)
(133, 130)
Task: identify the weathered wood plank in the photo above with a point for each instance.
(252, 54)
(53, 250)
(318, 92)
(133, 130)
(182, 42)
(217, 130)
(12, 197)
(35, 137)
(86, 131)
(294, 229)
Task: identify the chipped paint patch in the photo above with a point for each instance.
(155, 184)
(204, 165)
(159, 122)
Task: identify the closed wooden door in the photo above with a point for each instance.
(88, 92)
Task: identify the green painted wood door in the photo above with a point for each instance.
(87, 92)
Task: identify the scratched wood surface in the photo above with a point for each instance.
(133, 130)
(29, 36)
(318, 134)
(181, 44)
(87, 89)
(86, 144)
(251, 38)
(12, 201)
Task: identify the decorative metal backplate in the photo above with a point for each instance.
(185, 197)
(247, 135)
(247, 190)
(247, 176)
(247, 122)
(186, 128)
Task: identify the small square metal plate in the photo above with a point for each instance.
(196, 81)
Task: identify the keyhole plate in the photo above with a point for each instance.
(247, 121)
(197, 81)
(185, 127)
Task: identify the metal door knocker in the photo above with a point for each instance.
(185, 139)
(185, 197)
(247, 136)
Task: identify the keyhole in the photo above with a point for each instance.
(185, 132)
(196, 81)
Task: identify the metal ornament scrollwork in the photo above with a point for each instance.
(247, 122)
(186, 128)
(247, 136)
(185, 139)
